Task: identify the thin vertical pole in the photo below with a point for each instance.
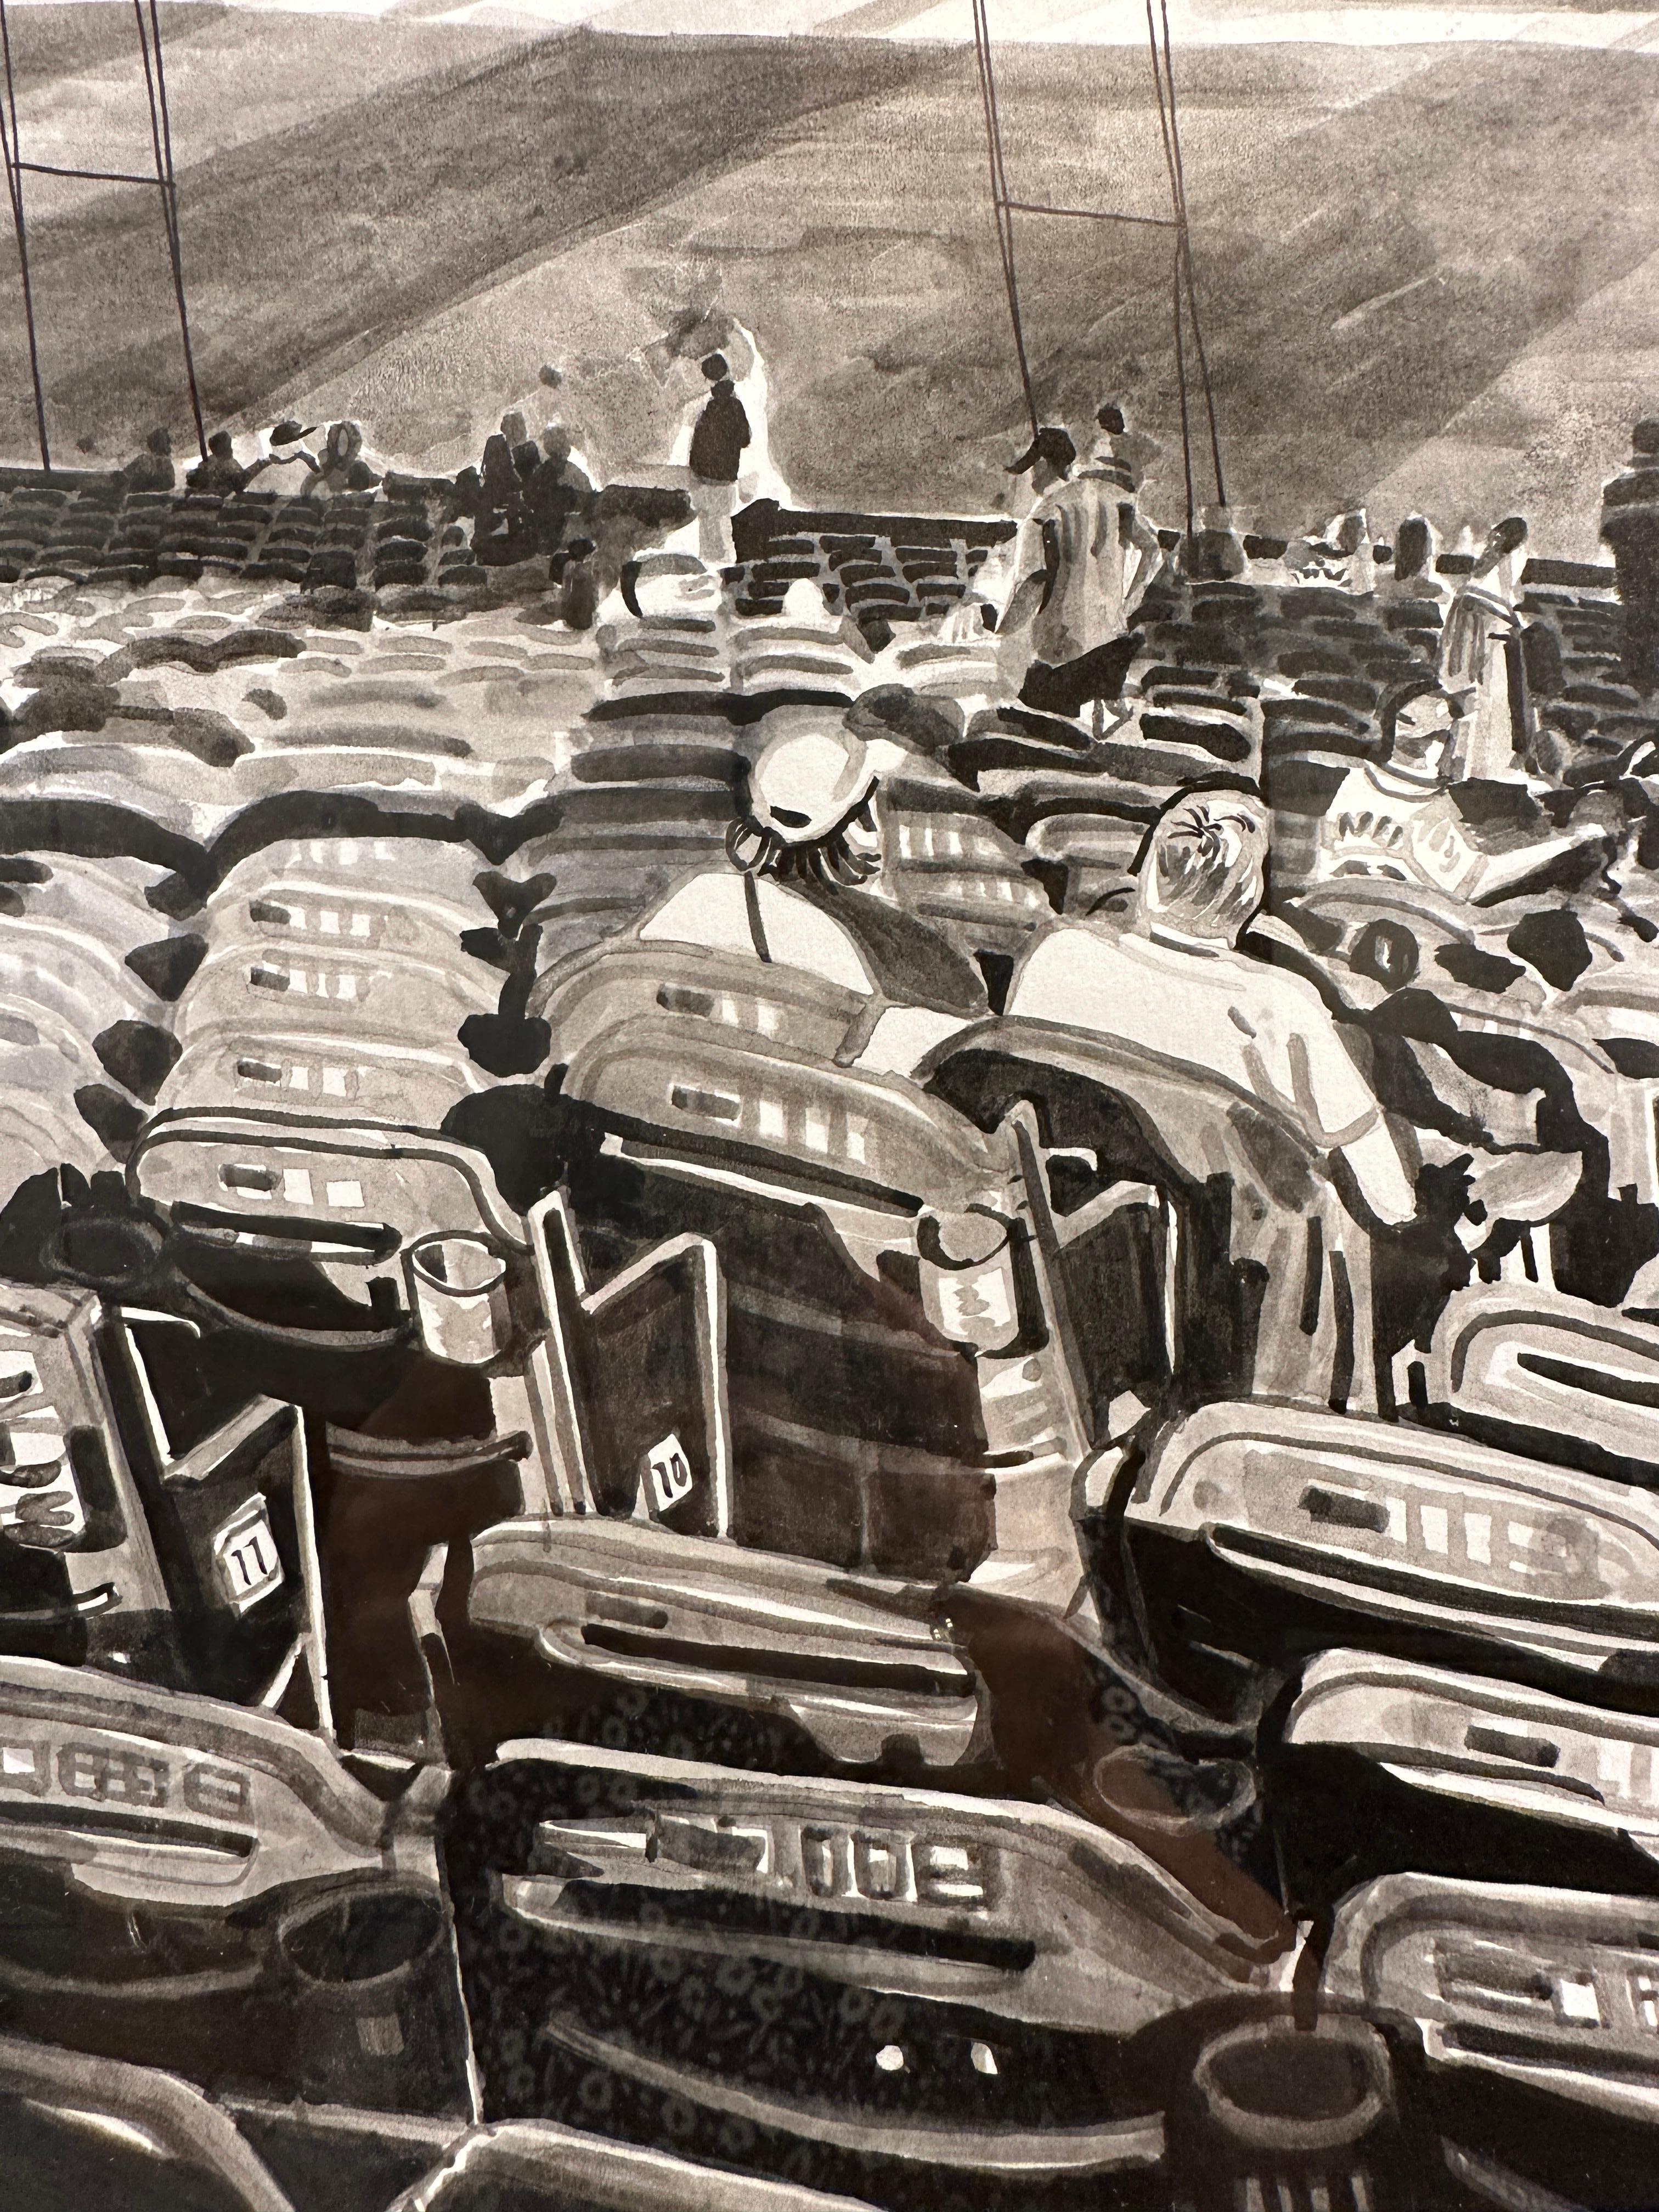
(1187, 260)
(1181, 385)
(1175, 202)
(160, 131)
(8, 145)
(988, 90)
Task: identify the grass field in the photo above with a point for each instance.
(1425, 271)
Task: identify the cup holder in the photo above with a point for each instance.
(359, 1942)
(458, 1288)
(108, 1252)
(1159, 1790)
(1272, 2088)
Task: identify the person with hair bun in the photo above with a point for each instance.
(1175, 982)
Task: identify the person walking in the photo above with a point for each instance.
(1089, 556)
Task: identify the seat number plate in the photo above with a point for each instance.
(245, 1558)
(671, 1473)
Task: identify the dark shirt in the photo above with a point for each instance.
(149, 471)
(554, 496)
(1630, 504)
(579, 596)
(219, 472)
(501, 479)
(912, 964)
(722, 434)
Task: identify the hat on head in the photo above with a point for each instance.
(287, 432)
(1050, 444)
(806, 782)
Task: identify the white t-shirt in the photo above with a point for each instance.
(711, 910)
(1381, 823)
(1266, 1031)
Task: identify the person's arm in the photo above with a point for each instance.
(1144, 540)
(903, 1035)
(1373, 1160)
(1341, 1111)
(1034, 592)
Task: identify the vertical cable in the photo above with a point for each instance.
(1181, 383)
(8, 145)
(160, 132)
(1187, 259)
(1000, 199)
(1175, 199)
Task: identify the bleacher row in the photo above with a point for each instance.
(1337, 652)
(899, 567)
(87, 528)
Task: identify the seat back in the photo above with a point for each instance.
(339, 991)
(711, 992)
(641, 1357)
(814, 1410)
(80, 1578)
(1551, 1375)
(341, 1191)
(1258, 1528)
(237, 1063)
(1208, 1233)
(781, 1111)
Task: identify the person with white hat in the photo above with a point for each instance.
(284, 445)
(803, 891)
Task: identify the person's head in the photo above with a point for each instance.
(1414, 547)
(1048, 459)
(556, 444)
(1417, 720)
(1205, 872)
(514, 427)
(715, 367)
(1645, 439)
(810, 814)
(1110, 416)
(159, 441)
(219, 445)
(1503, 539)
